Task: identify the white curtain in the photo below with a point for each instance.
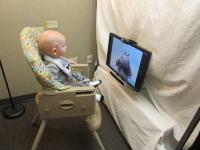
(170, 29)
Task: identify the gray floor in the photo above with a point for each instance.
(60, 134)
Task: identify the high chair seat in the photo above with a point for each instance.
(55, 100)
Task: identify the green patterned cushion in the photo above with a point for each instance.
(29, 39)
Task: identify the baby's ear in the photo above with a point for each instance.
(53, 51)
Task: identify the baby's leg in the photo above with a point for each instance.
(82, 79)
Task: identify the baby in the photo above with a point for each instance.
(53, 47)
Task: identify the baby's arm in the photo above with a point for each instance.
(70, 60)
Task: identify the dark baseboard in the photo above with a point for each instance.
(18, 99)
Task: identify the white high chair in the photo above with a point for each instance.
(55, 100)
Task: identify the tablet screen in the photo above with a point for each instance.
(127, 60)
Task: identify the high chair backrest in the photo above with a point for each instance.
(29, 41)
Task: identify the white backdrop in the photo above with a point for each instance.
(171, 31)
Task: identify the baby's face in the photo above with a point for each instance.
(60, 47)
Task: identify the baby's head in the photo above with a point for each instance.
(52, 43)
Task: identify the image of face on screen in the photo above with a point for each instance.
(125, 60)
(123, 66)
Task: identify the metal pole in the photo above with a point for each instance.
(14, 110)
(189, 130)
(12, 103)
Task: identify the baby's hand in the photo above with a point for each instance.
(73, 62)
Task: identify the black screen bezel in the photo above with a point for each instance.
(143, 65)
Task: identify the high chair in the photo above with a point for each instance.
(55, 100)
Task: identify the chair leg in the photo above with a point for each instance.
(98, 140)
(39, 135)
(35, 118)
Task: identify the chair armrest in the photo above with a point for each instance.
(78, 90)
(83, 68)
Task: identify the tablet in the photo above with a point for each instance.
(128, 61)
